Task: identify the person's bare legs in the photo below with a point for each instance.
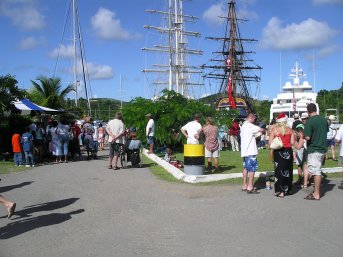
(317, 182)
(209, 164)
(245, 175)
(251, 181)
(215, 163)
(333, 152)
(115, 162)
(151, 148)
(8, 205)
(305, 183)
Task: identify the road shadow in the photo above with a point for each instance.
(22, 226)
(49, 206)
(11, 187)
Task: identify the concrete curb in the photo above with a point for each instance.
(178, 174)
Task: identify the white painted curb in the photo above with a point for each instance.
(178, 174)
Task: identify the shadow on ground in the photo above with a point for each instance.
(22, 226)
(9, 188)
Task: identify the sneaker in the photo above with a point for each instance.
(27, 166)
(32, 165)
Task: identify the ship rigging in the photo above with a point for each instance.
(232, 67)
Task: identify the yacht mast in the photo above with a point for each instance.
(179, 72)
(74, 41)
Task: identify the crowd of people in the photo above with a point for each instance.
(306, 143)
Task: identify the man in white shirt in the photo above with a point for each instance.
(190, 130)
(339, 139)
(150, 132)
(116, 131)
(249, 152)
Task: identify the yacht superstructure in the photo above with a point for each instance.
(295, 96)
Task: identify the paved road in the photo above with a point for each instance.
(84, 209)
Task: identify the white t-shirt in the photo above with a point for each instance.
(332, 131)
(116, 127)
(151, 124)
(339, 136)
(192, 128)
(248, 141)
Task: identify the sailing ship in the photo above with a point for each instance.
(233, 68)
(179, 73)
(295, 96)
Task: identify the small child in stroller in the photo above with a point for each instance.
(132, 148)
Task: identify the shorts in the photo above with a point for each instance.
(315, 162)
(114, 149)
(211, 154)
(250, 163)
(341, 160)
(150, 140)
(330, 142)
(299, 159)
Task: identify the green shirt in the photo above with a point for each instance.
(316, 128)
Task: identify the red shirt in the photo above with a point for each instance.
(16, 138)
(234, 129)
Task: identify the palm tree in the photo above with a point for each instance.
(49, 92)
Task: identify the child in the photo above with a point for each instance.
(27, 142)
(300, 146)
(16, 145)
(172, 159)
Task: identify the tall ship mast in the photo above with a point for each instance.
(177, 74)
(233, 67)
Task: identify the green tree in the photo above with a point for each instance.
(171, 111)
(9, 92)
(49, 92)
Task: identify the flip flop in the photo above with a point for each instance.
(116, 168)
(311, 197)
(253, 191)
(11, 211)
(244, 190)
(109, 167)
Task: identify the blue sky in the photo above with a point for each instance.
(113, 36)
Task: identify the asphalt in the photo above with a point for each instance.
(84, 209)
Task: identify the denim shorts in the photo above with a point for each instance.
(150, 140)
(250, 163)
(330, 142)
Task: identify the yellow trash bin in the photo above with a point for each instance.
(194, 159)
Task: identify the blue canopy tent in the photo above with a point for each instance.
(26, 107)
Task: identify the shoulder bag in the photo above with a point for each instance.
(276, 144)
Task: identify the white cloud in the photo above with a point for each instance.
(107, 26)
(319, 2)
(307, 34)
(23, 14)
(32, 42)
(99, 71)
(214, 12)
(63, 51)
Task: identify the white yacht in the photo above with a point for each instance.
(295, 97)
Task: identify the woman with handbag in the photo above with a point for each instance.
(281, 142)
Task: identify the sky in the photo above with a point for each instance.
(37, 41)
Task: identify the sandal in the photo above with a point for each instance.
(311, 197)
(244, 189)
(109, 167)
(252, 191)
(116, 168)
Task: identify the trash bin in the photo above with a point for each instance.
(194, 159)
